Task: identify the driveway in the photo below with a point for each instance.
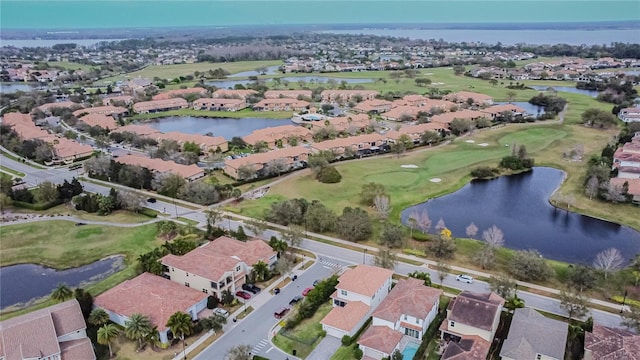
(325, 349)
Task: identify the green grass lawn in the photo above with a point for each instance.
(71, 65)
(247, 113)
(308, 333)
(11, 171)
(119, 216)
(345, 352)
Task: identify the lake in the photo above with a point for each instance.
(225, 127)
(25, 282)
(293, 80)
(592, 93)
(270, 71)
(9, 88)
(519, 206)
(529, 108)
(50, 43)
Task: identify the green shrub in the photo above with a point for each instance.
(482, 172)
(357, 353)
(37, 206)
(346, 340)
(418, 236)
(212, 302)
(148, 213)
(413, 252)
(328, 175)
(619, 299)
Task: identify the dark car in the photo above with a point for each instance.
(276, 291)
(294, 278)
(281, 312)
(316, 282)
(151, 200)
(243, 294)
(295, 299)
(251, 288)
(80, 224)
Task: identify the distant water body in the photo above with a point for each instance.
(49, 43)
(507, 36)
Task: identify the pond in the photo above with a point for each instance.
(293, 81)
(592, 93)
(225, 127)
(529, 108)
(9, 88)
(23, 283)
(270, 71)
(519, 206)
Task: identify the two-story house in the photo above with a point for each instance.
(471, 324)
(222, 264)
(405, 313)
(359, 292)
(533, 336)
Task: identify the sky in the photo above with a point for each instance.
(74, 14)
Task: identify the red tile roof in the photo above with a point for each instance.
(63, 104)
(476, 309)
(142, 130)
(179, 92)
(469, 348)
(272, 134)
(107, 110)
(274, 94)
(346, 318)
(155, 105)
(607, 343)
(364, 279)
(80, 349)
(104, 121)
(408, 297)
(381, 338)
(238, 94)
(263, 158)
(634, 185)
(150, 295)
(447, 118)
(499, 109)
(159, 165)
(462, 96)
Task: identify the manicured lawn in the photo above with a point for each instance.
(308, 334)
(71, 65)
(345, 352)
(11, 171)
(119, 216)
(173, 71)
(247, 113)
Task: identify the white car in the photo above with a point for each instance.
(222, 312)
(466, 278)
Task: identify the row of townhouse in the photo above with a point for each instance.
(64, 150)
(281, 104)
(332, 96)
(627, 160)
(629, 114)
(102, 110)
(100, 120)
(186, 283)
(350, 123)
(294, 157)
(219, 104)
(180, 92)
(145, 107)
(206, 143)
(284, 134)
(189, 172)
(48, 107)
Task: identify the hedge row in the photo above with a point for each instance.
(37, 206)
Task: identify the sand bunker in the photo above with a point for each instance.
(470, 141)
(435, 180)
(483, 144)
(409, 166)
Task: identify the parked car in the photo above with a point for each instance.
(306, 291)
(295, 300)
(251, 288)
(276, 291)
(243, 294)
(151, 200)
(316, 282)
(294, 278)
(281, 312)
(222, 312)
(465, 278)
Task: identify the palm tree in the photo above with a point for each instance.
(180, 324)
(61, 293)
(153, 337)
(514, 303)
(214, 322)
(98, 317)
(137, 328)
(106, 334)
(261, 269)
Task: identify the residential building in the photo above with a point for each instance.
(356, 145)
(415, 132)
(351, 123)
(105, 110)
(206, 143)
(153, 106)
(180, 92)
(281, 104)
(359, 292)
(406, 312)
(219, 265)
(152, 296)
(496, 111)
(279, 136)
(634, 187)
(374, 106)
(629, 114)
(400, 113)
(606, 343)
(219, 104)
(140, 130)
(470, 347)
(189, 172)
(627, 159)
(48, 107)
(101, 120)
(113, 100)
(464, 96)
(233, 94)
(57, 332)
(447, 118)
(136, 85)
(331, 96)
(533, 336)
(294, 157)
(291, 94)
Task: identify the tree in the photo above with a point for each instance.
(256, 226)
(413, 221)
(424, 222)
(429, 137)
(199, 192)
(180, 324)
(320, 218)
(278, 245)
(213, 216)
(485, 256)
(392, 235)
(440, 225)
(328, 175)
(275, 167)
(240, 352)
(354, 224)
(98, 317)
(443, 270)
(46, 192)
(442, 247)
(385, 259)
(460, 126)
(98, 165)
(167, 183)
(422, 276)
(246, 172)
(382, 203)
(591, 189)
(402, 144)
(397, 355)
(458, 70)
(631, 318)
(227, 297)
(581, 277)
(214, 322)
(598, 118)
(574, 304)
(369, 192)
(608, 261)
(130, 200)
(5, 202)
(137, 328)
(494, 237)
(61, 293)
(503, 286)
(513, 303)
(293, 235)
(511, 95)
(529, 265)
(318, 161)
(106, 334)
(472, 230)
(261, 270)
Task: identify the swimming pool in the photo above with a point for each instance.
(409, 351)
(312, 117)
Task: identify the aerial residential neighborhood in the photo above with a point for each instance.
(323, 181)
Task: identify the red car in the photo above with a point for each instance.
(306, 291)
(243, 294)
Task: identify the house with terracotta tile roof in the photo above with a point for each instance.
(374, 106)
(415, 132)
(105, 110)
(67, 151)
(634, 186)
(279, 134)
(152, 296)
(179, 92)
(233, 94)
(470, 347)
(447, 118)
(463, 96)
(101, 120)
(219, 104)
(400, 112)
(359, 292)
(206, 143)
(57, 332)
(222, 264)
(606, 343)
(406, 312)
(534, 336)
(627, 159)
(629, 114)
(46, 108)
(111, 100)
(136, 85)
(294, 157)
(154, 106)
(357, 145)
(355, 123)
(189, 172)
(281, 104)
(331, 96)
(291, 94)
(496, 111)
(140, 130)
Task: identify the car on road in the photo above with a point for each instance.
(464, 278)
(251, 288)
(152, 200)
(80, 224)
(295, 300)
(294, 278)
(243, 294)
(316, 282)
(306, 291)
(276, 291)
(281, 312)
(222, 312)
